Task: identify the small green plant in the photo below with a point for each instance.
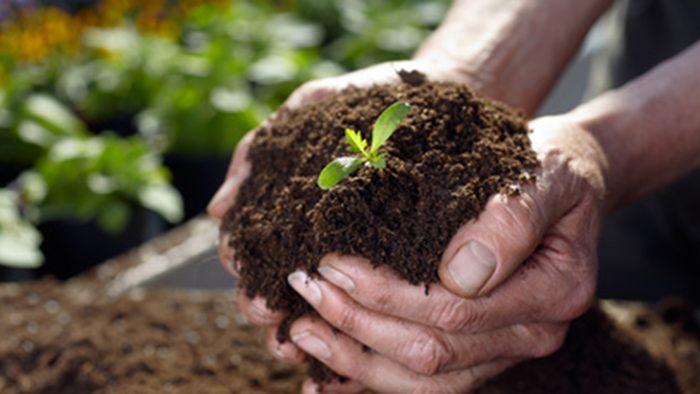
(383, 128)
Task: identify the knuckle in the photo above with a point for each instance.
(359, 372)
(577, 300)
(459, 316)
(451, 316)
(305, 88)
(308, 90)
(347, 320)
(380, 299)
(581, 300)
(427, 355)
(545, 340)
(524, 219)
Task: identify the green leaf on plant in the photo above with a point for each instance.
(338, 169)
(114, 217)
(378, 162)
(387, 123)
(53, 115)
(20, 253)
(163, 199)
(357, 143)
(19, 240)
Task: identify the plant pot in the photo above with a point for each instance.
(197, 179)
(71, 246)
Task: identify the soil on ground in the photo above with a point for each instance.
(453, 151)
(72, 339)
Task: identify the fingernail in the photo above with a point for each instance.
(307, 287)
(472, 267)
(312, 344)
(223, 191)
(337, 278)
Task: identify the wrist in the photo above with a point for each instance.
(511, 50)
(563, 141)
(602, 121)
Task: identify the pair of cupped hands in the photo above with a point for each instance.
(510, 281)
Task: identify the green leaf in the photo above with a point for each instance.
(163, 199)
(20, 252)
(387, 123)
(114, 217)
(19, 239)
(53, 115)
(357, 143)
(378, 162)
(338, 169)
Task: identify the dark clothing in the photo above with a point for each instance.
(651, 249)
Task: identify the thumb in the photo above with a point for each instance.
(486, 251)
(238, 171)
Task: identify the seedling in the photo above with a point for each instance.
(383, 128)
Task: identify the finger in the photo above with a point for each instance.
(348, 358)
(312, 92)
(552, 286)
(384, 73)
(238, 171)
(287, 351)
(226, 256)
(256, 311)
(349, 387)
(485, 252)
(419, 348)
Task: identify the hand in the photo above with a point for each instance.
(511, 281)
(239, 169)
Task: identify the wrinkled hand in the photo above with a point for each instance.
(511, 281)
(239, 169)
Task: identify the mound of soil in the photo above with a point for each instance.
(454, 151)
(595, 358)
(72, 339)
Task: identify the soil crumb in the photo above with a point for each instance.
(453, 151)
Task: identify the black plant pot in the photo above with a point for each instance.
(197, 179)
(71, 247)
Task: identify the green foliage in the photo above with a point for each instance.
(195, 92)
(100, 177)
(19, 240)
(73, 174)
(383, 128)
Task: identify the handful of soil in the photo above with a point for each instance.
(453, 151)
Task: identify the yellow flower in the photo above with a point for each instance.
(32, 36)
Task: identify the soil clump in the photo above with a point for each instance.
(453, 151)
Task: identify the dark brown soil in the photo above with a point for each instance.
(68, 340)
(72, 339)
(448, 157)
(595, 358)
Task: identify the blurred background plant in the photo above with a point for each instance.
(112, 110)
